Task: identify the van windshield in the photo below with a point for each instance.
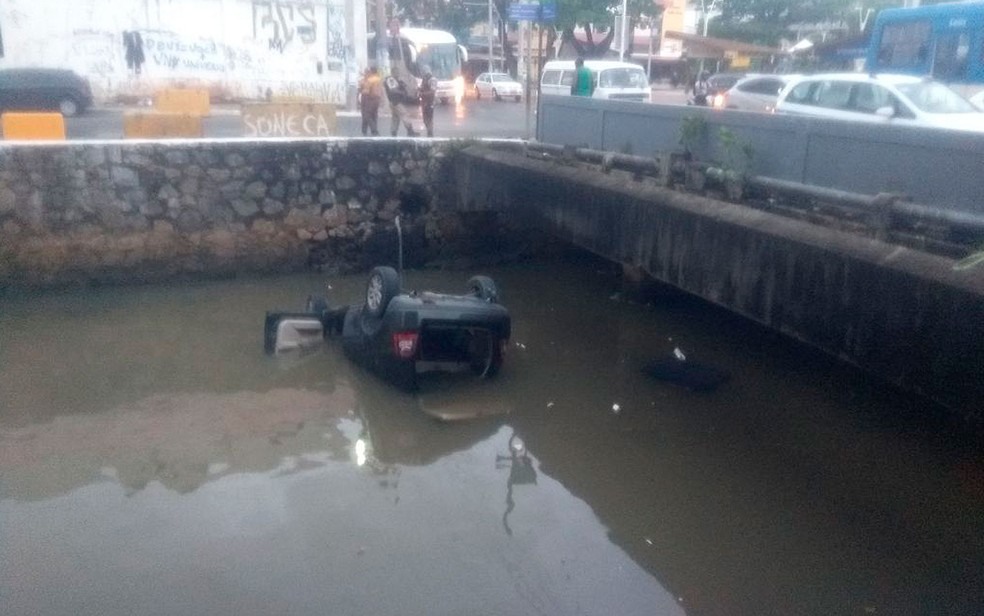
(622, 78)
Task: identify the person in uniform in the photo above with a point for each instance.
(428, 92)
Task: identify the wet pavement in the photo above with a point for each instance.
(154, 461)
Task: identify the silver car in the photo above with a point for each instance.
(498, 86)
(893, 99)
(755, 93)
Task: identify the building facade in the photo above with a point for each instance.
(238, 49)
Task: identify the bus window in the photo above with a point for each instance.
(950, 59)
(905, 45)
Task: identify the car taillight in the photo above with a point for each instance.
(405, 344)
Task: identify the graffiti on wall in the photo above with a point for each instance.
(93, 52)
(171, 52)
(280, 23)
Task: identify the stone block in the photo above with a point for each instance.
(167, 192)
(256, 190)
(8, 201)
(304, 234)
(396, 168)
(326, 197)
(219, 175)
(245, 207)
(320, 236)
(345, 183)
(335, 217)
(234, 160)
(272, 207)
(124, 177)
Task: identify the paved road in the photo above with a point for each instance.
(472, 118)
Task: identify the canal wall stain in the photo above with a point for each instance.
(124, 213)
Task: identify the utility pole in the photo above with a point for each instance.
(625, 22)
(491, 48)
(382, 45)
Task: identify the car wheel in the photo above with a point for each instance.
(316, 304)
(495, 95)
(68, 107)
(483, 287)
(383, 285)
(478, 94)
(484, 354)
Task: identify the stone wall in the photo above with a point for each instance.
(134, 212)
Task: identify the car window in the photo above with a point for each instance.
(567, 78)
(622, 78)
(761, 86)
(501, 78)
(933, 97)
(950, 59)
(802, 93)
(832, 94)
(869, 98)
(551, 78)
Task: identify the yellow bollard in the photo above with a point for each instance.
(156, 125)
(33, 126)
(178, 100)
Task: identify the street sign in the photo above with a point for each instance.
(533, 12)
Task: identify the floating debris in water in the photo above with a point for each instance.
(521, 345)
(550, 404)
(679, 354)
(616, 408)
(649, 541)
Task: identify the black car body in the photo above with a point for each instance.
(399, 335)
(48, 89)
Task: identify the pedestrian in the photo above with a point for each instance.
(370, 97)
(583, 84)
(701, 89)
(399, 97)
(427, 93)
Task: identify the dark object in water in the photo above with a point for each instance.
(690, 374)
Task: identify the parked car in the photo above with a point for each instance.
(756, 93)
(498, 86)
(904, 100)
(48, 89)
(613, 80)
(399, 334)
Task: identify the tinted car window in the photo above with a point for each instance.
(567, 78)
(762, 86)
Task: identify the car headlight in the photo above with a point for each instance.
(459, 88)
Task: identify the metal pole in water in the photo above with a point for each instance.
(399, 257)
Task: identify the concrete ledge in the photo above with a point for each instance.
(33, 126)
(906, 316)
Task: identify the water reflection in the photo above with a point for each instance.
(521, 472)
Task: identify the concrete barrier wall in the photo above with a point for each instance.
(934, 167)
(904, 315)
(139, 211)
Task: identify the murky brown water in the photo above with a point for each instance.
(154, 461)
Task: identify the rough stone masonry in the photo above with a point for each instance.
(136, 212)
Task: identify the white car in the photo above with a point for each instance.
(498, 86)
(754, 93)
(889, 99)
(978, 100)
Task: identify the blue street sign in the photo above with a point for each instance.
(533, 12)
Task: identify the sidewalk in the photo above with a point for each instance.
(217, 109)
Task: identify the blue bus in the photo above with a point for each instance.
(945, 41)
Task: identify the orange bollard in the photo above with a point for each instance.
(30, 126)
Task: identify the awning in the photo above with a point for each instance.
(698, 46)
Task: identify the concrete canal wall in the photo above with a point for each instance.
(907, 316)
(132, 212)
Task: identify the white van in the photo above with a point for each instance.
(613, 79)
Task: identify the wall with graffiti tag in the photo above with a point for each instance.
(238, 49)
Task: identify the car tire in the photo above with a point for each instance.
(483, 287)
(68, 107)
(495, 95)
(382, 286)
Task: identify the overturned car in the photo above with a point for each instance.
(400, 335)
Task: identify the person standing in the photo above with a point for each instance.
(399, 97)
(701, 89)
(583, 84)
(428, 92)
(370, 97)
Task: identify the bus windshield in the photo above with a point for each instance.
(622, 78)
(440, 58)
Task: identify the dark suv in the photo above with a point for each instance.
(34, 89)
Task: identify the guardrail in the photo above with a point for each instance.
(940, 168)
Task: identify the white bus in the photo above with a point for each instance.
(421, 49)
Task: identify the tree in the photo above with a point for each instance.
(596, 16)
(765, 22)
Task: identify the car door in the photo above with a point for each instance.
(480, 83)
(868, 98)
(14, 90)
(550, 83)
